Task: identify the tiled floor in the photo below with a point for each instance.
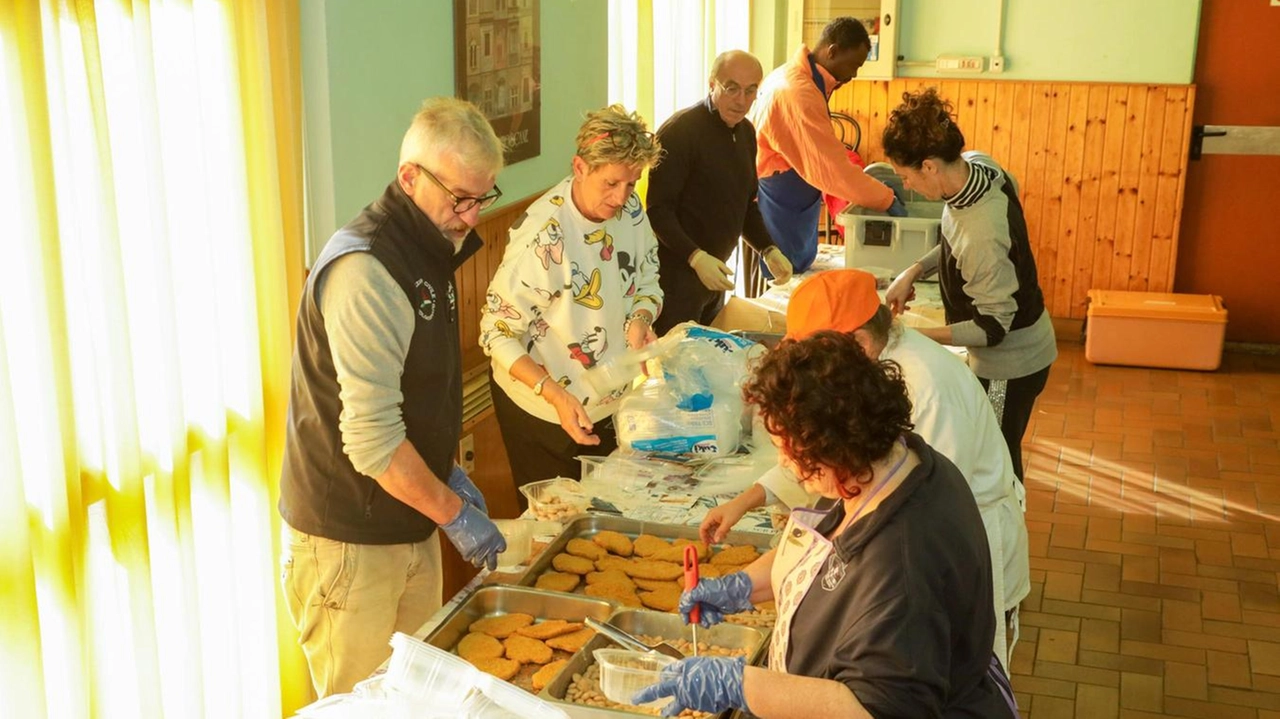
(1154, 514)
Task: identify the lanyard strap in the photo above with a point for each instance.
(863, 504)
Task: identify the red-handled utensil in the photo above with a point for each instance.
(691, 581)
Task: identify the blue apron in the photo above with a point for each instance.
(791, 208)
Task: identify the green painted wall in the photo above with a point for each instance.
(368, 64)
(1086, 40)
(1140, 41)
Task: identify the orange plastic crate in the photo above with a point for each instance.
(1155, 329)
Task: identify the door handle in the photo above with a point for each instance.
(1198, 133)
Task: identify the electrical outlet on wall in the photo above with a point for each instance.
(958, 63)
(467, 453)
(996, 64)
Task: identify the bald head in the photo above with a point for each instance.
(735, 79)
(735, 60)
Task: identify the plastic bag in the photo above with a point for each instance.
(695, 406)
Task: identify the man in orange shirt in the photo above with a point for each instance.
(799, 156)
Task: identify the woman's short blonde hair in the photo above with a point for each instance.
(612, 135)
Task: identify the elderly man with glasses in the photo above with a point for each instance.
(375, 406)
(577, 287)
(702, 197)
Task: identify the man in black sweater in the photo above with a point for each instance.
(702, 195)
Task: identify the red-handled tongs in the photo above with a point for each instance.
(691, 581)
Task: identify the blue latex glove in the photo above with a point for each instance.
(885, 173)
(462, 486)
(718, 597)
(476, 537)
(708, 684)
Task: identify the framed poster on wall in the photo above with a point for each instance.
(498, 68)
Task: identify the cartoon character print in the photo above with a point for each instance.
(538, 327)
(548, 244)
(537, 330)
(495, 305)
(600, 237)
(504, 329)
(651, 257)
(627, 271)
(591, 345)
(547, 296)
(556, 200)
(613, 396)
(634, 209)
(586, 289)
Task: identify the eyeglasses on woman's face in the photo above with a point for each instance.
(463, 204)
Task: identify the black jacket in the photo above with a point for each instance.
(901, 611)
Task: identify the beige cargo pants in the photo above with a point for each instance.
(346, 601)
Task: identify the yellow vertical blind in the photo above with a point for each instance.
(150, 177)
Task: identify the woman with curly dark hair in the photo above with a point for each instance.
(884, 595)
(984, 264)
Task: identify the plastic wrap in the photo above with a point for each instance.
(695, 405)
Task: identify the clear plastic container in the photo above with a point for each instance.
(420, 670)
(556, 499)
(503, 698)
(892, 244)
(519, 536)
(624, 672)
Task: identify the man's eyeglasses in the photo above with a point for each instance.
(463, 204)
(735, 90)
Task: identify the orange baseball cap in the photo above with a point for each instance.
(840, 300)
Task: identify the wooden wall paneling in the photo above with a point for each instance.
(984, 116)
(1101, 169)
(967, 111)
(1109, 191)
(1169, 189)
(1077, 107)
(1181, 159)
(493, 473)
(474, 275)
(1020, 136)
(879, 105)
(1046, 240)
(1095, 132)
(855, 106)
(1130, 173)
(1001, 124)
(1033, 185)
(1148, 182)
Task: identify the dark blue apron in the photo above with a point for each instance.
(791, 208)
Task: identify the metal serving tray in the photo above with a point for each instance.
(659, 624)
(505, 599)
(587, 526)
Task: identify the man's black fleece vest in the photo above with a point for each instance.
(321, 493)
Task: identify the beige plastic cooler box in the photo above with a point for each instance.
(1155, 329)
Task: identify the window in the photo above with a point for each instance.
(151, 208)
